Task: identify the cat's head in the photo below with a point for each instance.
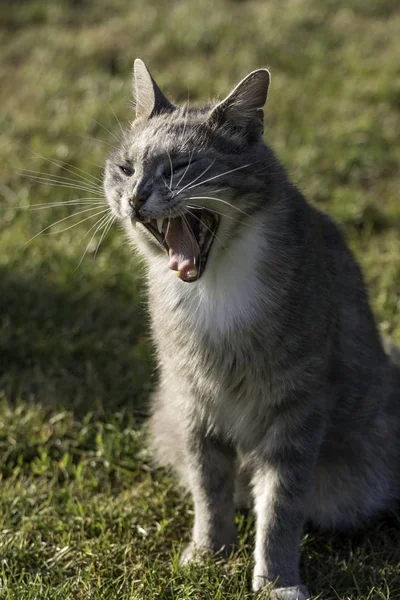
(183, 177)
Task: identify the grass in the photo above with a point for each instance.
(83, 514)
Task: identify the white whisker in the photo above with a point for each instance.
(186, 170)
(59, 178)
(91, 137)
(223, 202)
(109, 224)
(186, 119)
(69, 187)
(74, 224)
(105, 128)
(215, 176)
(101, 220)
(168, 226)
(217, 190)
(62, 166)
(165, 183)
(194, 180)
(172, 171)
(99, 224)
(223, 215)
(67, 203)
(59, 183)
(63, 182)
(64, 219)
(118, 121)
(204, 225)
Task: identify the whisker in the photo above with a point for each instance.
(223, 202)
(165, 183)
(224, 215)
(49, 175)
(77, 185)
(55, 183)
(73, 225)
(109, 224)
(64, 219)
(194, 180)
(204, 225)
(186, 119)
(62, 166)
(44, 206)
(187, 168)
(101, 220)
(105, 128)
(101, 167)
(58, 178)
(68, 186)
(216, 176)
(217, 190)
(172, 171)
(118, 121)
(91, 137)
(169, 223)
(99, 224)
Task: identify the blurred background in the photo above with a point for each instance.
(79, 502)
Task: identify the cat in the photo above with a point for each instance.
(275, 391)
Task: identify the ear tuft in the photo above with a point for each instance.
(244, 105)
(149, 98)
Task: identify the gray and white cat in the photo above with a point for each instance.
(274, 389)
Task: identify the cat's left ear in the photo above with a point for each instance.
(149, 99)
(243, 107)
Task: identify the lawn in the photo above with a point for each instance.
(83, 513)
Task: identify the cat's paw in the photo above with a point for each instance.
(298, 592)
(295, 592)
(193, 554)
(197, 554)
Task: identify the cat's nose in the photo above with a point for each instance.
(137, 201)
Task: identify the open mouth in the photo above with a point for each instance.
(187, 240)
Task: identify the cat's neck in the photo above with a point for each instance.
(226, 297)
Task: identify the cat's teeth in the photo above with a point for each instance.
(160, 224)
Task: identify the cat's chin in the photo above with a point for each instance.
(187, 239)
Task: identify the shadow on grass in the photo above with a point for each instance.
(352, 563)
(75, 349)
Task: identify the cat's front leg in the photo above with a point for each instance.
(211, 480)
(282, 487)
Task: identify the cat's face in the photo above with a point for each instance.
(179, 176)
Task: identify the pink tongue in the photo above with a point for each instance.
(184, 250)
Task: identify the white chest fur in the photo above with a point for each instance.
(228, 293)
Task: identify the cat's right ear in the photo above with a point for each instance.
(149, 99)
(243, 108)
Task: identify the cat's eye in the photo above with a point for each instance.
(128, 171)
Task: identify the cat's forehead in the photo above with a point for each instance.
(169, 132)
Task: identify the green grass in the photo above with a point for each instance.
(83, 514)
